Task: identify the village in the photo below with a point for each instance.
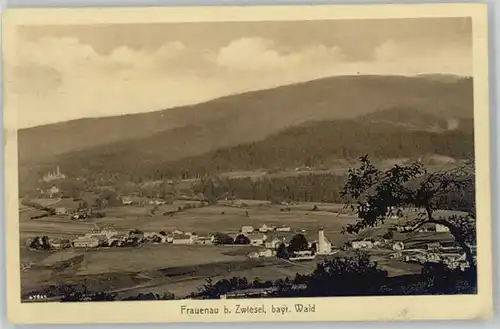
(267, 238)
(244, 231)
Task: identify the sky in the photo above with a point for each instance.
(62, 73)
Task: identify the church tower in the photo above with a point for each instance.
(324, 246)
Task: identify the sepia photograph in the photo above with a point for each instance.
(219, 161)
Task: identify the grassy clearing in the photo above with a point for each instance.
(181, 269)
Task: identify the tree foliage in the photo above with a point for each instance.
(298, 243)
(223, 238)
(242, 239)
(375, 194)
(282, 251)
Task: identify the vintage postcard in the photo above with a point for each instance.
(223, 164)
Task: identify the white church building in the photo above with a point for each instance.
(324, 246)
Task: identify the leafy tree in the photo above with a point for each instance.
(35, 244)
(298, 243)
(349, 276)
(215, 290)
(222, 238)
(374, 193)
(163, 233)
(242, 239)
(282, 252)
(45, 242)
(314, 248)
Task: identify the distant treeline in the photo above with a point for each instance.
(306, 188)
(314, 144)
(320, 143)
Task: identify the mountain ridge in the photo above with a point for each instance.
(158, 138)
(271, 110)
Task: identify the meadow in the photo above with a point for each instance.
(181, 269)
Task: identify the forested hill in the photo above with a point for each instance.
(323, 143)
(310, 123)
(312, 144)
(228, 121)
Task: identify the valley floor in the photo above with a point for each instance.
(182, 269)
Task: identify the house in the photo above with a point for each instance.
(442, 228)
(264, 228)
(303, 255)
(150, 234)
(58, 243)
(253, 255)
(61, 211)
(85, 242)
(136, 235)
(118, 238)
(182, 239)
(363, 244)
(273, 244)
(108, 233)
(256, 239)
(205, 240)
(398, 246)
(28, 242)
(247, 229)
(283, 229)
(178, 232)
(53, 191)
(127, 200)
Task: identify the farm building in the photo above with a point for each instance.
(85, 242)
(264, 228)
(108, 233)
(61, 211)
(441, 228)
(119, 238)
(205, 240)
(127, 200)
(58, 243)
(398, 246)
(256, 239)
(247, 229)
(53, 191)
(303, 255)
(149, 234)
(283, 229)
(363, 244)
(404, 228)
(183, 239)
(273, 244)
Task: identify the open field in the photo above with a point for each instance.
(166, 268)
(181, 269)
